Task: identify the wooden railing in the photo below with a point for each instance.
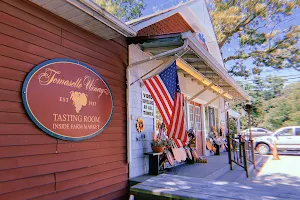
(250, 152)
(240, 152)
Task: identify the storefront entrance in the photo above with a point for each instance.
(194, 119)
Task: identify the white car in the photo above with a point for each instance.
(287, 138)
(256, 132)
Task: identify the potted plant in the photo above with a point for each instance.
(157, 144)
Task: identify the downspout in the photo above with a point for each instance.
(161, 55)
(128, 119)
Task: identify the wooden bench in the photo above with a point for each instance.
(153, 162)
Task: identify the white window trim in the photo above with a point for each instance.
(188, 114)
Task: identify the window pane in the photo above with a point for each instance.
(191, 124)
(191, 117)
(297, 131)
(198, 126)
(191, 108)
(286, 132)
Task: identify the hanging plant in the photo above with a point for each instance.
(140, 126)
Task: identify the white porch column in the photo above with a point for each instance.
(204, 133)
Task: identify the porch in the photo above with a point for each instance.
(217, 168)
(211, 180)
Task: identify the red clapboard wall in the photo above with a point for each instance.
(34, 165)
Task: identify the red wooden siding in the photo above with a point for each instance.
(33, 164)
(172, 24)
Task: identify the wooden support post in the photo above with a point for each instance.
(253, 153)
(229, 151)
(240, 148)
(229, 142)
(245, 158)
(251, 139)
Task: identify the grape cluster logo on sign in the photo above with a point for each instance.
(67, 99)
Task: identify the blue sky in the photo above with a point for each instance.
(155, 5)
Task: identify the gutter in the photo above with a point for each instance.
(103, 16)
(161, 55)
(194, 44)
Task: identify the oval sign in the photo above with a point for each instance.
(67, 99)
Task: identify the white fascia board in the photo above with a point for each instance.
(198, 18)
(153, 20)
(103, 16)
(209, 59)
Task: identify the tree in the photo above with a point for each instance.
(283, 110)
(273, 104)
(123, 9)
(256, 25)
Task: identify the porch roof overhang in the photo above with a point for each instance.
(89, 16)
(197, 63)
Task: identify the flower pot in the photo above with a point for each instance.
(156, 149)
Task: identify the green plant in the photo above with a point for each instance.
(159, 143)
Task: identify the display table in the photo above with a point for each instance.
(153, 162)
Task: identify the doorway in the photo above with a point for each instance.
(194, 118)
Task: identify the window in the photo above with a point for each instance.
(286, 132)
(191, 116)
(197, 118)
(194, 117)
(297, 131)
(261, 130)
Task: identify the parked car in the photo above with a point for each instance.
(286, 138)
(256, 132)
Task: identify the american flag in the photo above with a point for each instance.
(164, 89)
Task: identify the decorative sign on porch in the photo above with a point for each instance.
(147, 105)
(67, 99)
(140, 125)
(201, 39)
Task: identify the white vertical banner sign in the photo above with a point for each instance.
(148, 108)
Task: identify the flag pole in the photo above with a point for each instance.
(172, 59)
(162, 64)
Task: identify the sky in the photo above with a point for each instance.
(290, 74)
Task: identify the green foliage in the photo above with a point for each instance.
(123, 9)
(256, 26)
(159, 143)
(233, 126)
(274, 105)
(283, 110)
